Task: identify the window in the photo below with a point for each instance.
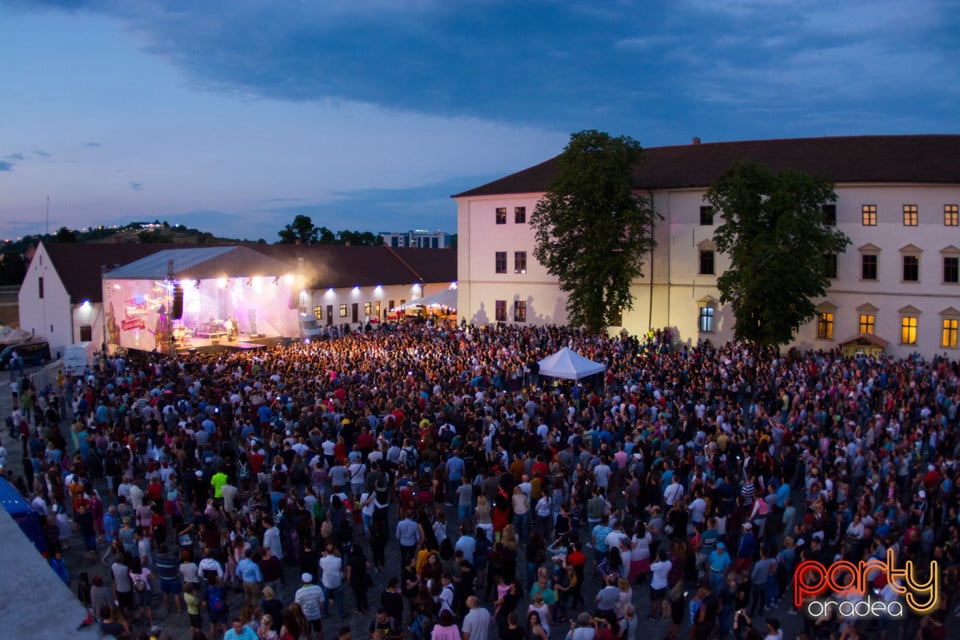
(911, 268)
(501, 311)
(706, 216)
(951, 269)
(825, 326)
(868, 323)
(706, 263)
(40, 285)
(868, 263)
(829, 214)
(501, 262)
(519, 311)
(951, 215)
(376, 308)
(519, 261)
(520, 215)
(910, 215)
(367, 308)
(830, 265)
(908, 330)
(705, 319)
(501, 215)
(868, 215)
(86, 333)
(948, 337)
(343, 310)
(318, 313)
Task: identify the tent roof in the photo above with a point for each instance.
(446, 298)
(569, 365)
(201, 263)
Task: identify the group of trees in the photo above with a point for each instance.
(303, 231)
(593, 231)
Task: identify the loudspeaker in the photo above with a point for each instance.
(177, 302)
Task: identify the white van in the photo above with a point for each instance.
(77, 358)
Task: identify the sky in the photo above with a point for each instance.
(236, 116)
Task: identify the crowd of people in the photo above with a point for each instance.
(687, 481)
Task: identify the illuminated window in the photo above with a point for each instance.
(910, 215)
(951, 215)
(829, 214)
(948, 337)
(501, 262)
(868, 266)
(519, 261)
(520, 215)
(825, 326)
(501, 311)
(376, 308)
(950, 269)
(705, 319)
(501, 215)
(868, 215)
(367, 308)
(911, 268)
(318, 313)
(868, 323)
(706, 263)
(519, 311)
(343, 310)
(908, 330)
(706, 216)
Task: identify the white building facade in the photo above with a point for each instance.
(897, 200)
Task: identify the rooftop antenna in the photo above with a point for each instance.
(48, 215)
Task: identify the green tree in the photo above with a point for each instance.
(65, 235)
(593, 229)
(301, 229)
(775, 234)
(359, 238)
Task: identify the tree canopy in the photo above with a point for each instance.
(780, 248)
(303, 230)
(592, 229)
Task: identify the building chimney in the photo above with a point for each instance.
(696, 140)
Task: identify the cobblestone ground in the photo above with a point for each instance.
(177, 625)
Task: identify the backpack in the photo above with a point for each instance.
(215, 601)
(244, 470)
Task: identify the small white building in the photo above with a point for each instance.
(897, 199)
(416, 239)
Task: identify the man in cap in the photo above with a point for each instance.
(310, 599)
(718, 562)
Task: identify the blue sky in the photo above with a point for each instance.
(235, 116)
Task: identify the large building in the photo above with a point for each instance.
(897, 200)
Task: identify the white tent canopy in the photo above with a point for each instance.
(569, 365)
(446, 298)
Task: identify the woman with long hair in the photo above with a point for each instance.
(446, 627)
(535, 630)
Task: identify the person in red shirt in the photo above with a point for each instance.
(577, 560)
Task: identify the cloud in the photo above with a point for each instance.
(91, 145)
(43, 154)
(15, 156)
(136, 186)
(6, 166)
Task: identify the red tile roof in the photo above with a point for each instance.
(932, 159)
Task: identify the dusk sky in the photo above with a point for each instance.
(236, 116)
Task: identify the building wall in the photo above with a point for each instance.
(417, 239)
(673, 290)
(49, 317)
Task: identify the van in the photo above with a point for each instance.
(309, 327)
(77, 358)
(33, 354)
(23, 514)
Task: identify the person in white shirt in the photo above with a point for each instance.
(476, 624)
(658, 584)
(331, 566)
